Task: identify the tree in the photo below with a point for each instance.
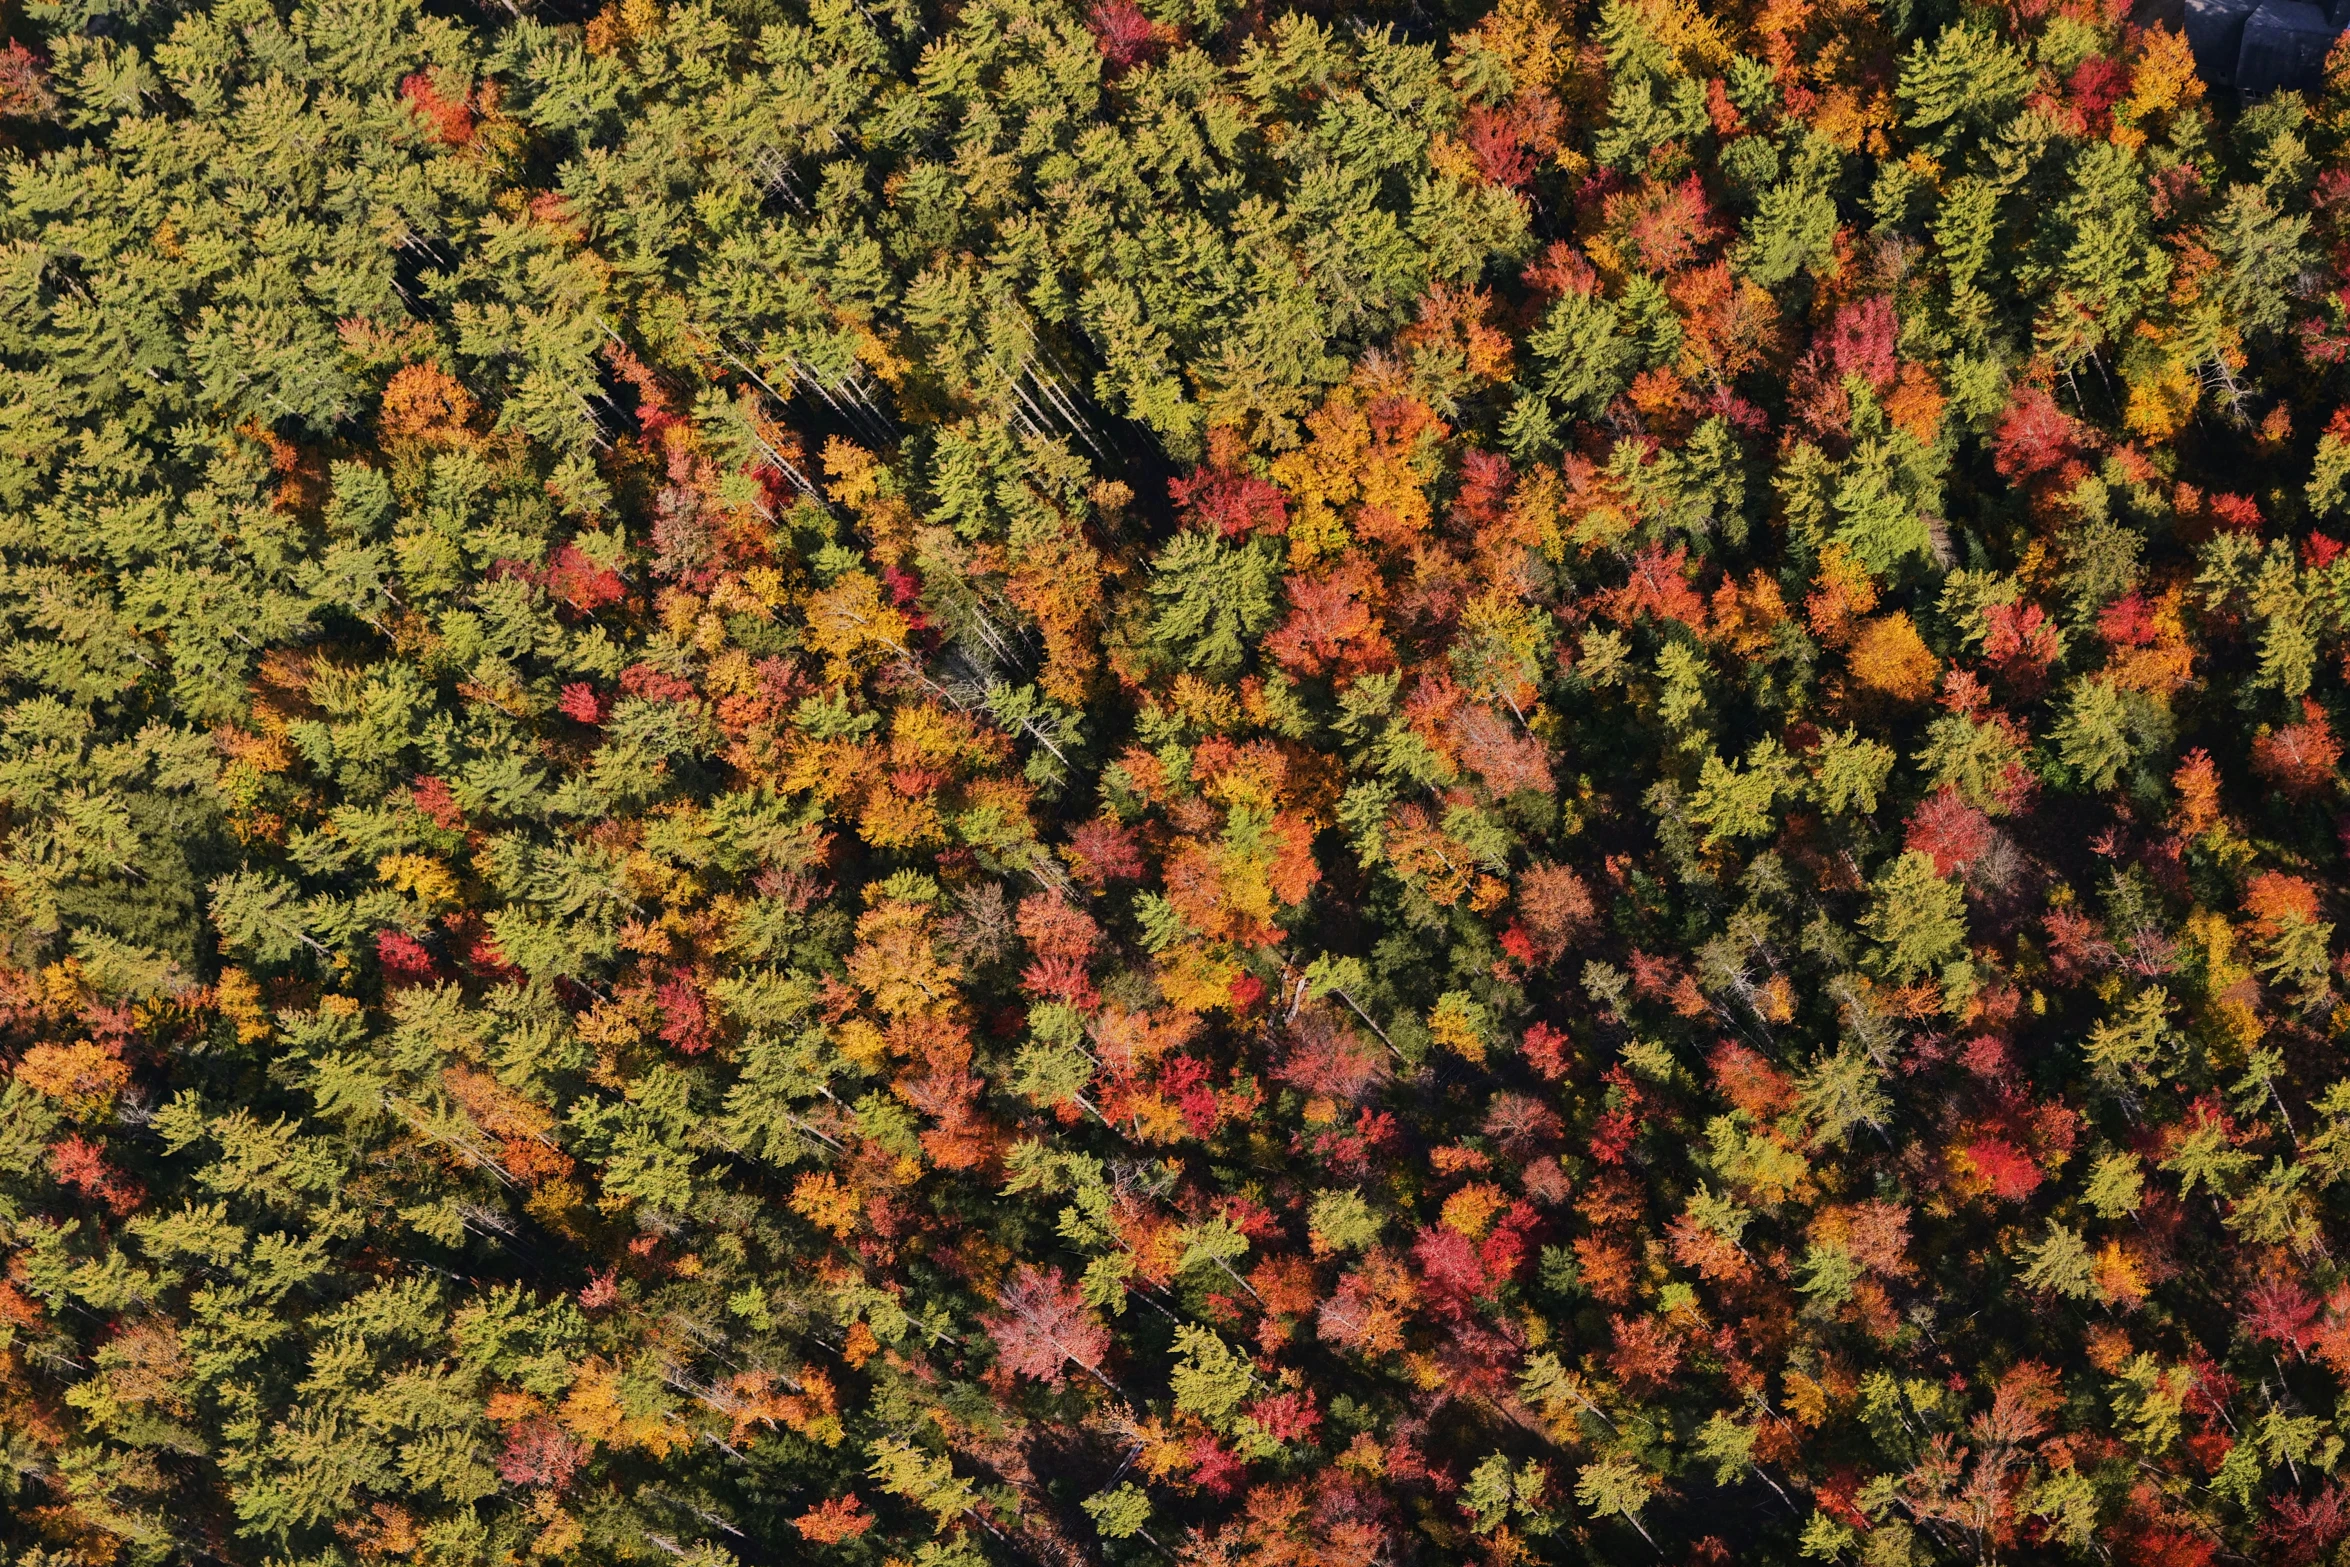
(735, 743)
(1043, 1326)
(1916, 917)
(1213, 599)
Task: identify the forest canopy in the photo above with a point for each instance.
(931, 785)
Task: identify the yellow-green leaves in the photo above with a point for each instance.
(2117, 1185)
(926, 1479)
(2060, 1263)
(1917, 918)
(1341, 1222)
(1209, 1380)
(1736, 802)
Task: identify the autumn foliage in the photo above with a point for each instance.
(1027, 782)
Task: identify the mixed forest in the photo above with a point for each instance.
(903, 784)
